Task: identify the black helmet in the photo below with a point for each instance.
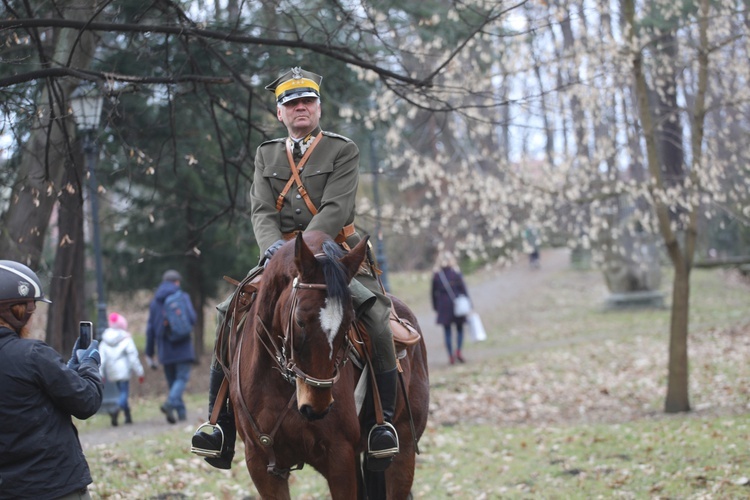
(18, 282)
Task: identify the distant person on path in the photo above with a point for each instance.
(176, 357)
(447, 284)
(40, 454)
(119, 362)
(532, 239)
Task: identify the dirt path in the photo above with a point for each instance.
(505, 289)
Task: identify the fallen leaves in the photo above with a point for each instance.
(602, 382)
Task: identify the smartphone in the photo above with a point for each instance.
(84, 334)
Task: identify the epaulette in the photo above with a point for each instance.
(280, 139)
(331, 134)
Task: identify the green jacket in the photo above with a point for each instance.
(330, 176)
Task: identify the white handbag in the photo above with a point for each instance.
(461, 303)
(461, 306)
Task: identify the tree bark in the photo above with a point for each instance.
(678, 399)
(67, 284)
(677, 383)
(46, 154)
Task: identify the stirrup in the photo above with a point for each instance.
(388, 452)
(204, 452)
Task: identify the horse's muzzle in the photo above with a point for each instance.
(308, 412)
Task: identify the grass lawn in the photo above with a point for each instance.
(566, 404)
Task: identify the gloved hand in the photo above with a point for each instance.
(151, 363)
(140, 379)
(73, 361)
(271, 250)
(90, 354)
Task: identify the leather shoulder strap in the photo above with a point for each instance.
(295, 178)
(447, 285)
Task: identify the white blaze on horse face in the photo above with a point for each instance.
(331, 317)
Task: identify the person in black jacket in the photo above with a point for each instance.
(40, 454)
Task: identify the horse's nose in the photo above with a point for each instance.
(309, 414)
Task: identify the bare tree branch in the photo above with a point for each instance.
(341, 53)
(89, 75)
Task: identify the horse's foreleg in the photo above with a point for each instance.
(341, 474)
(399, 477)
(269, 487)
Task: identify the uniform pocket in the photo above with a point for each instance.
(315, 179)
(277, 177)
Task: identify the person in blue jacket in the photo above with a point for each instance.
(40, 454)
(176, 357)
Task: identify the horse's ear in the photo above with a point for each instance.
(354, 259)
(303, 256)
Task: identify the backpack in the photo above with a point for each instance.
(177, 324)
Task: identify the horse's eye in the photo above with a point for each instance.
(300, 323)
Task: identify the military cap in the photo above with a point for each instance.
(295, 84)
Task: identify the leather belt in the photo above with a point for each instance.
(345, 232)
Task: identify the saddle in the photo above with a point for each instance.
(404, 336)
(404, 333)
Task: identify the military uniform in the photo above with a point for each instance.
(330, 176)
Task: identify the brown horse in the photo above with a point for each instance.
(293, 382)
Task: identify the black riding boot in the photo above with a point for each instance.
(211, 444)
(382, 441)
(128, 418)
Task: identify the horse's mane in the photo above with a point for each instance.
(333, 270)
(282, 270)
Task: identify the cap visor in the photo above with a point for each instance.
(299, 95)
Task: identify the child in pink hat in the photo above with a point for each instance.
(119, 362)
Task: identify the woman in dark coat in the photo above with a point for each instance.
(448, 283)
(40, 454)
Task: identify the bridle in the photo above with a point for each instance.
(288, 367)
(290, 371)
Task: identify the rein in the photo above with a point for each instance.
(288, 367)
(289, 370)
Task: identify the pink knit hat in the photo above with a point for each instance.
(118, 321)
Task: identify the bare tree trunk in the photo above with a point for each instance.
(67, 284)
(576, 107)
(677, 389)
(45, 158)
(678, 375)
(681, 256)
(195, 280)
(46, 154)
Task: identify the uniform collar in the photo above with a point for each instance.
(309, 137)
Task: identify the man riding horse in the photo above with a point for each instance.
(308, 181)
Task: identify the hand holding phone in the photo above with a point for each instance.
(84, 334)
